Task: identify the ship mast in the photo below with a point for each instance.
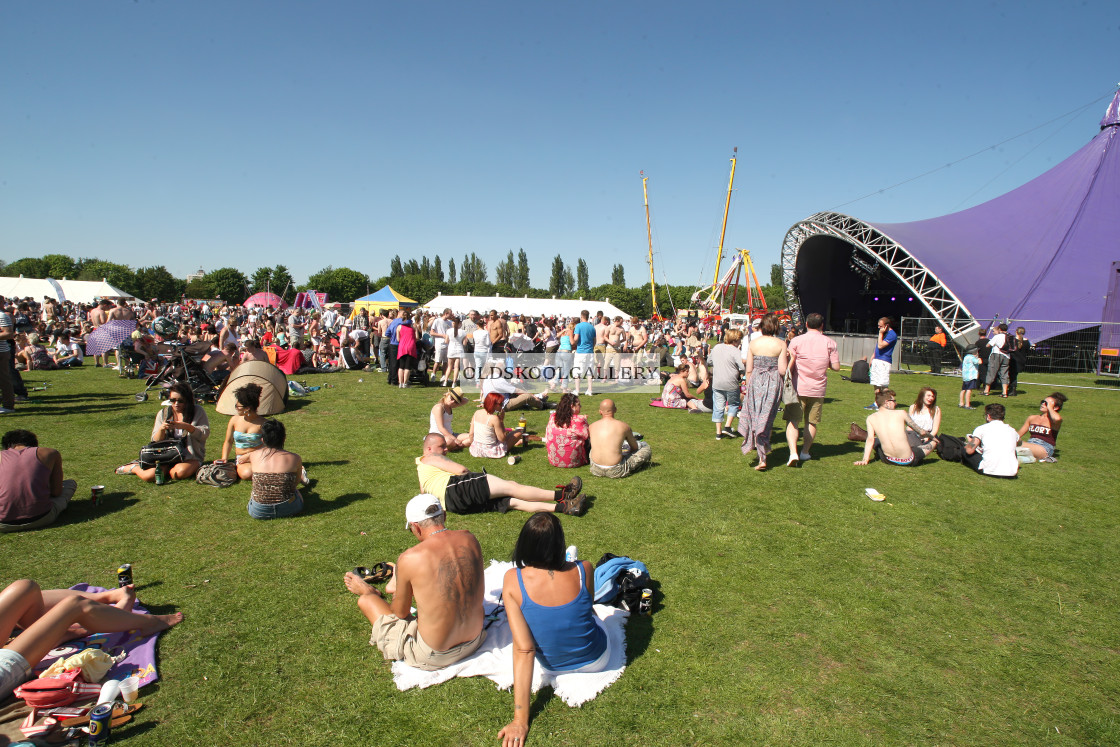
(726, 209)
(656, 313)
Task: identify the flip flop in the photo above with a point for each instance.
(375, 575)
(126, 469)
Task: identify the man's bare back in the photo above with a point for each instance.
(888, 426)
(97, 316)
(607, 436)
(445, 576)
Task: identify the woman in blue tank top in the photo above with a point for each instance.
(549, 604)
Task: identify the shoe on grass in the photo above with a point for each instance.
(572, 506)
(804, 456)
(569, 491)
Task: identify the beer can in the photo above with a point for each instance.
(645, 606)
(124, 574)
(99, 719)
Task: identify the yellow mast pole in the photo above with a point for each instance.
(649, 234)
(726, 209)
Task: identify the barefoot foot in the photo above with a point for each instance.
(356, 585)
(127, 598)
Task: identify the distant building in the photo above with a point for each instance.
(196, 275)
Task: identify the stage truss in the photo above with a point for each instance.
(957, 320)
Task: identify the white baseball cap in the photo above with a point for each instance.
(422, 507)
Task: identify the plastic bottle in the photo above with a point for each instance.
(571, 554)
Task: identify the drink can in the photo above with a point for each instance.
(99, 719)
(124, 574)
(95, 493)
(513, 459)
(645, 606)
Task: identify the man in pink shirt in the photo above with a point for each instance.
(810, 356)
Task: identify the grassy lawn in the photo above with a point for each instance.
(791, 609)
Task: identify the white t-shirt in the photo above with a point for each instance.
(481, 340)
(997, 445)
(997, 344)
(439, 326)
(63, 349)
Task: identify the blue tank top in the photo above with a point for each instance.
(247, 440)
(567, 635)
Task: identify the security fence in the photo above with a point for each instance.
(1061, 350)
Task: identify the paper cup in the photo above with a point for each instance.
(130, 688)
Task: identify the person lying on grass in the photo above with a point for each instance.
(443, 573)
(464, 492)
(47, 618)
(549, 604)
(888, 437)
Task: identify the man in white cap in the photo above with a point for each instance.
(443, 574)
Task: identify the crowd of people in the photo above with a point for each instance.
(753, 372)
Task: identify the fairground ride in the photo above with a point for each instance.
(713, 298)
(655, 311)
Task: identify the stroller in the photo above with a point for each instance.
(184, 364)
(425, 353)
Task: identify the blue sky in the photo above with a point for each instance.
(342, 133)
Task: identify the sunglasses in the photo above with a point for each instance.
(175, 400)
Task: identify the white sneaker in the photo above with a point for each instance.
(5, 411)
(804, 456)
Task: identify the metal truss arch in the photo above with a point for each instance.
(938, 299)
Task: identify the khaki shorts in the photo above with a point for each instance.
(795, 413)
(399, 640)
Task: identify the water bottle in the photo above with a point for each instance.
(571, 555)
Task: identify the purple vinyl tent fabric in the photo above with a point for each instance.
(1043, 251)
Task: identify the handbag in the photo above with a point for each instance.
(168, 452)
(217, 475)
(789, 391)
(51, 692)
(855, 433)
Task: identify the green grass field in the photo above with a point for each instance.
(791, 609)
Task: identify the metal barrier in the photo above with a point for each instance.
(1061, 350)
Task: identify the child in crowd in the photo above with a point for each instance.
(970, 378)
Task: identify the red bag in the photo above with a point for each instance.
(52, 692)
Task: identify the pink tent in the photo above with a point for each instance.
(265, 299)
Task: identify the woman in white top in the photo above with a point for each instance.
(925, 411)
(489, 437)
(440, 420)
(455, 337)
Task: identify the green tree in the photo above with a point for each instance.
(437, 269)
(581, 275)
(473, 270)
(618, 276)
(199, 288)
(341, 284)
(29, 267)
(506, 271)
(425, 268)
(60, 266)
(119, 276)
(262, 280)
(521, 278)
(775, 274)
(396, 270)
(228, 284)
(412, 267)
(450, 271)
(157, 282)
(281, 280)
(569, 281)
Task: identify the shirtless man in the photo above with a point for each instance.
(499, 333)
(615, 452)
(602, 324)
(251, 351)
(888, 437)
(97, 316)
(612, 357)
(220, 363)
(443, 574)
(465, 492)
(383, 338)
(121, 311)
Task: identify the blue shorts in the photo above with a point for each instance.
(970, 385)
(14, 671)
(724, 399)
(1047, 446)
(276, 510)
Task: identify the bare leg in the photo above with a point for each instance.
(147, 475)
(500, 488)
(244, 471)
(53, 626)
(184, 470)
(1036, 450)
(810, 436)
(791, 437)
(370, 602)
(533, 506)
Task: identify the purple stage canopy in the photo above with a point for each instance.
(1043, 251)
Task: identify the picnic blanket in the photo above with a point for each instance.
(494, 658)
(288, 361)
(140, 660)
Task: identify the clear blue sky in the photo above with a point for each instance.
(341, 133)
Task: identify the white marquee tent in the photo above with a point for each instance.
(78, 291)
(534, 307)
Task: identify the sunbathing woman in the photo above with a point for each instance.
(183, 419)
(243, 433)
(549, 604)
(489, 437)
(675, 394)
(47, 618)
(276, 474)
(1044, 428)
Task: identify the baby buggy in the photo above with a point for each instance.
(183, 363)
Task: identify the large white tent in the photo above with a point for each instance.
(78, 291)
(535, 307)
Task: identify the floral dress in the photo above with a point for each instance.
(567, 447)
(764, 391)
(672, 396)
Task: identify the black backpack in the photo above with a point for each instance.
(861, 372)
(950, 448)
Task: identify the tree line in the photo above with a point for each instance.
(420, 279)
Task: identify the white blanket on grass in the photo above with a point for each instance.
(494, 658)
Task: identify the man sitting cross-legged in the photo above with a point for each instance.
(466, 492)
(443, 574)
(609, 437)
(887, 435)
